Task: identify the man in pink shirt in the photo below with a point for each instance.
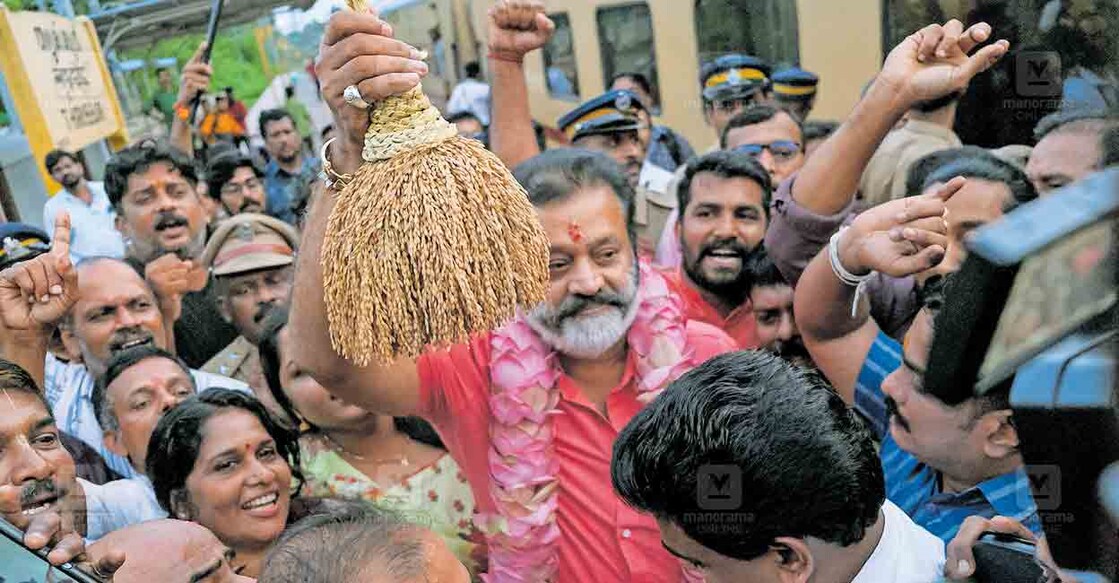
(530, 411)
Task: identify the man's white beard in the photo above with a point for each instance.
(587, 336)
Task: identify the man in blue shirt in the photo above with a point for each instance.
(942, 463)
(288, 173)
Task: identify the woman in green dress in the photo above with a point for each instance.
(347, 452)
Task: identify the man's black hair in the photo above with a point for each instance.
(116, 366)
(932, 298)
(763, 272)
(1110, 148)
(270, 115)
(137, 158)
(804, 460)
(980, 164)
(472, 69)
(755, 114)
(375, 541)
(724, 164)
(14, 377)
(638, 79)
(818, 129)
(941, 102)
(556, 175)
(177, 440)
(221, 169)
(920, 169)
(1091, 118)
(55, 156)
(462, 115)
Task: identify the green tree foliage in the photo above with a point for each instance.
(235, 59)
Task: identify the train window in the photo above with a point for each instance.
(560, 71)
(766, 29)
(1001, 106)
(625, 37)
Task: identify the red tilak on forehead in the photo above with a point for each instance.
(574, 231)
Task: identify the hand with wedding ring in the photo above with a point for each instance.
(902, 237)
(360, 64)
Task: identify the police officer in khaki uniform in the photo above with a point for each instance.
(611, 124)
(252, 260)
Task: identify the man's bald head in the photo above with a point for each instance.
(171, 551)
(382, 547)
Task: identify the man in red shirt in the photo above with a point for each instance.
(530, 411)
(724, 202)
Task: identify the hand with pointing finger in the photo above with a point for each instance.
(902, 237)
(36, 294)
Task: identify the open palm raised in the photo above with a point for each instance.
(37, 293)
(938, 60)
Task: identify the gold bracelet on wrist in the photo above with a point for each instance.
(330, 177)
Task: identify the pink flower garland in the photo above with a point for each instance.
(523, 534)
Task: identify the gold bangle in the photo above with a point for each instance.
(329, 176)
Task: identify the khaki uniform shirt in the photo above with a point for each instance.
(240, 360)
(885, 174)
(651, 212)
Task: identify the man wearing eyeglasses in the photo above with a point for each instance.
(236, 182)
(770, 135)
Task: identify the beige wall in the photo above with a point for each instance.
(842, 42)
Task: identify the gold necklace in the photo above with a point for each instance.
(398, 459)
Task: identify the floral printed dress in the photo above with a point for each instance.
(436, 496)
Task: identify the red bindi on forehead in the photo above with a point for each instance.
(574, 231)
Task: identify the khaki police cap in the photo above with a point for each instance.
(249, 242)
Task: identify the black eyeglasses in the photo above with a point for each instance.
(782, 150)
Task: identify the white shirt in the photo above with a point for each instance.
(906, 553)
(118, 504)
(471, 95)
(69, 390)
(93, 232)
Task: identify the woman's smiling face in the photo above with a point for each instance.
(240, 487)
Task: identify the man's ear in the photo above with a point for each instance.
(70, 343)
(795, 562)
(121, 224)
(1000, 434)
(223, 309)
(114, 443)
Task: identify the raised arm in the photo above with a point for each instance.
(517, 27)
(195, 78)
(928, 64)
(34, 296)
(899, 238)
(357, 50)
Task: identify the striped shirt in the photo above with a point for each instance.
(69, 390)
(913, 485)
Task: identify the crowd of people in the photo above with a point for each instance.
(760, 313)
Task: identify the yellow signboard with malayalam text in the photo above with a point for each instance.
(58, 79)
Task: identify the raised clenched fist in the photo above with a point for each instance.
(518, 27)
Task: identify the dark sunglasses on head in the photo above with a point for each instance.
(782, 150)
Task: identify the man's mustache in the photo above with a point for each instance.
(732, 245)
(38, 492)
(892, 411)
(576, 304)
(169, 219)
(263, 311)
(127, 336)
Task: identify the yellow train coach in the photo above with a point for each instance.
(842, 41)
